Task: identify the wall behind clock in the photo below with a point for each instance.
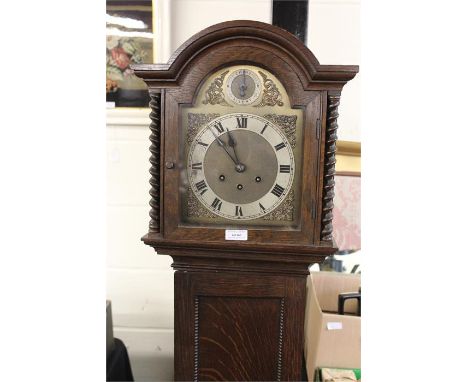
(334, 37)
(140, 283)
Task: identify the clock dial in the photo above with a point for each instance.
(242, 152)
(243, 86)
(244, 169)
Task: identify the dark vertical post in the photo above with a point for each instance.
(292, 16)
(155, 160)
(333, 101)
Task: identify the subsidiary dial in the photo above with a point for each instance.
(243, 86)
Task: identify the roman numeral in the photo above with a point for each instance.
(201, 186)
(202, 143)
(262, 208)
(277, 190)
(242, 123)
(239, 211)
(218, 126)
(196, 166)
(279, 146)
(217, 204)
(283, 168)
(264, 128)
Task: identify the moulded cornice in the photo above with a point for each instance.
(279, 39)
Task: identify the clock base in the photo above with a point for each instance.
(239, 308)
(238, 326)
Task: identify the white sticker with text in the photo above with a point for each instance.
(236, 234)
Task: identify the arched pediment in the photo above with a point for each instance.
(244, 32)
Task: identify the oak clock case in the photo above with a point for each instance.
(243, 136)
(242, 152)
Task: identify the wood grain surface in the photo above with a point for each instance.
(235, 329)
(243, 327)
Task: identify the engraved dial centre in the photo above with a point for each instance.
(260, 158)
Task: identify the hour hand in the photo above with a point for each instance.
(240, 167)
(231, 141)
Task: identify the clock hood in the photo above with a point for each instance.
(311, 73)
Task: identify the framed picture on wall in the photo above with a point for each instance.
(129, 40)
(347, 210)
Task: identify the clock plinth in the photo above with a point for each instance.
(239, 315)
(243, 136)
(239, 326)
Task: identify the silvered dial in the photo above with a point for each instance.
(243, 86)
(241, 166)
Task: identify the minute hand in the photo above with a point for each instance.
(223, 145)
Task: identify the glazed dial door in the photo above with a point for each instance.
(241, 166)
(241, 149)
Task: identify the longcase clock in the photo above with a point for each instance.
(243, 136)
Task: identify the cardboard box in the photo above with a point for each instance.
(331, 340)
